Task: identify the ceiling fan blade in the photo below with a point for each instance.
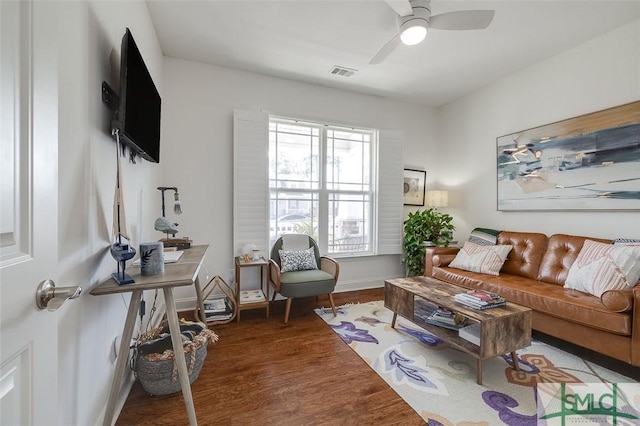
(386, 50)
(462, 20)
(401, 7)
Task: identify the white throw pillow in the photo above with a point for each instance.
(484, 259)
(297, 260)
(600, 267)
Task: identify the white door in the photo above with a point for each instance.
(28, 211)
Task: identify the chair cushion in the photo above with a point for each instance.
(297, 260)
(306, 283)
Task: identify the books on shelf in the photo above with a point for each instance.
(471, 333)
(435, 315)
(252, 296)
(218, 317)
(480, 299)
(218, 308)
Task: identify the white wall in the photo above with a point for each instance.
(90, 37)
(197, 150)
(596, 75)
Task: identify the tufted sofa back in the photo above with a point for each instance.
(560, 254)
(527, 253)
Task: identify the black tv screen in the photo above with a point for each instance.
(139, 110)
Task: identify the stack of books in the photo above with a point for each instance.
(480, 299)
(218, 308)
(251, 296)
(471, 333)
(446, 318)
(435, 315)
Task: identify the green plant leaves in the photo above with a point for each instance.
(420, 226)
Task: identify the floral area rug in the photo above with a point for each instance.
(439, 382)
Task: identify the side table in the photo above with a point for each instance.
(181, 273)
(263, 264)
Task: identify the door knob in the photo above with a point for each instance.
(51, 298)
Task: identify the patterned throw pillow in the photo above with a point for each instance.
(484, 259)
(484, 236)
(600, 267)
(297, 260)
(627, 241)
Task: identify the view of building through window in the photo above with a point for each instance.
(320, 183)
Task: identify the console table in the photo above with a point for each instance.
(181, 273)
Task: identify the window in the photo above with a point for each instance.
(320, 184)
(301, 197)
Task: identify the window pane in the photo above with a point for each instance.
(349, 223)
(348, 161)
(293, 213)
(294, 156)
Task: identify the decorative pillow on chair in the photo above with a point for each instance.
(297, 260)
(600, 267)
(484, 259)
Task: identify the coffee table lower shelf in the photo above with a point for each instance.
(502, 330)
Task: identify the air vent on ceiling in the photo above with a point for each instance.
(342, 71)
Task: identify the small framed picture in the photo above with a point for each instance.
(414, 188)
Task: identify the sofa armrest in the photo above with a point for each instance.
(443, 259)
(635, 327)
(438, 252)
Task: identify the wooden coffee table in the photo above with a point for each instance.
(502, 330)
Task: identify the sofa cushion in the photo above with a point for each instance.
(551, 299)
(477, 258)
(525, 258)
(560, 254)
(600, 267)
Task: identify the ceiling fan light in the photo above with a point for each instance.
(413, 34)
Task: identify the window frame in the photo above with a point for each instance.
(324, 194)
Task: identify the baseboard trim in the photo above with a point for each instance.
(189, 303)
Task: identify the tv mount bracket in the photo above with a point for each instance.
(111, 99)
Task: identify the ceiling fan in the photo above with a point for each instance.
(414, 19)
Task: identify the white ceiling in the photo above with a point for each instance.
(303, 39)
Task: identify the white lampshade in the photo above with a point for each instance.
(437, 198)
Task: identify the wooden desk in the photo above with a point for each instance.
(182, 273)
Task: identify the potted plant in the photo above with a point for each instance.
(421, 228)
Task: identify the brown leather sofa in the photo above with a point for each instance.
(533, 275)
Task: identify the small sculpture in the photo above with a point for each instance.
(162, 224)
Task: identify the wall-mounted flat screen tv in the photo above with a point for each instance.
(138, 121)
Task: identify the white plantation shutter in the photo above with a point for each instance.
(250, 179)
(390, 195)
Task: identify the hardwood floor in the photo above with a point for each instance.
(267, 372)
(301, 373)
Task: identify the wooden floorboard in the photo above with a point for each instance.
(265, 372)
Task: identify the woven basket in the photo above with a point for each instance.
(158, 372)
(157, 378)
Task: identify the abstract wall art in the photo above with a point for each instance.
(590, 162)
